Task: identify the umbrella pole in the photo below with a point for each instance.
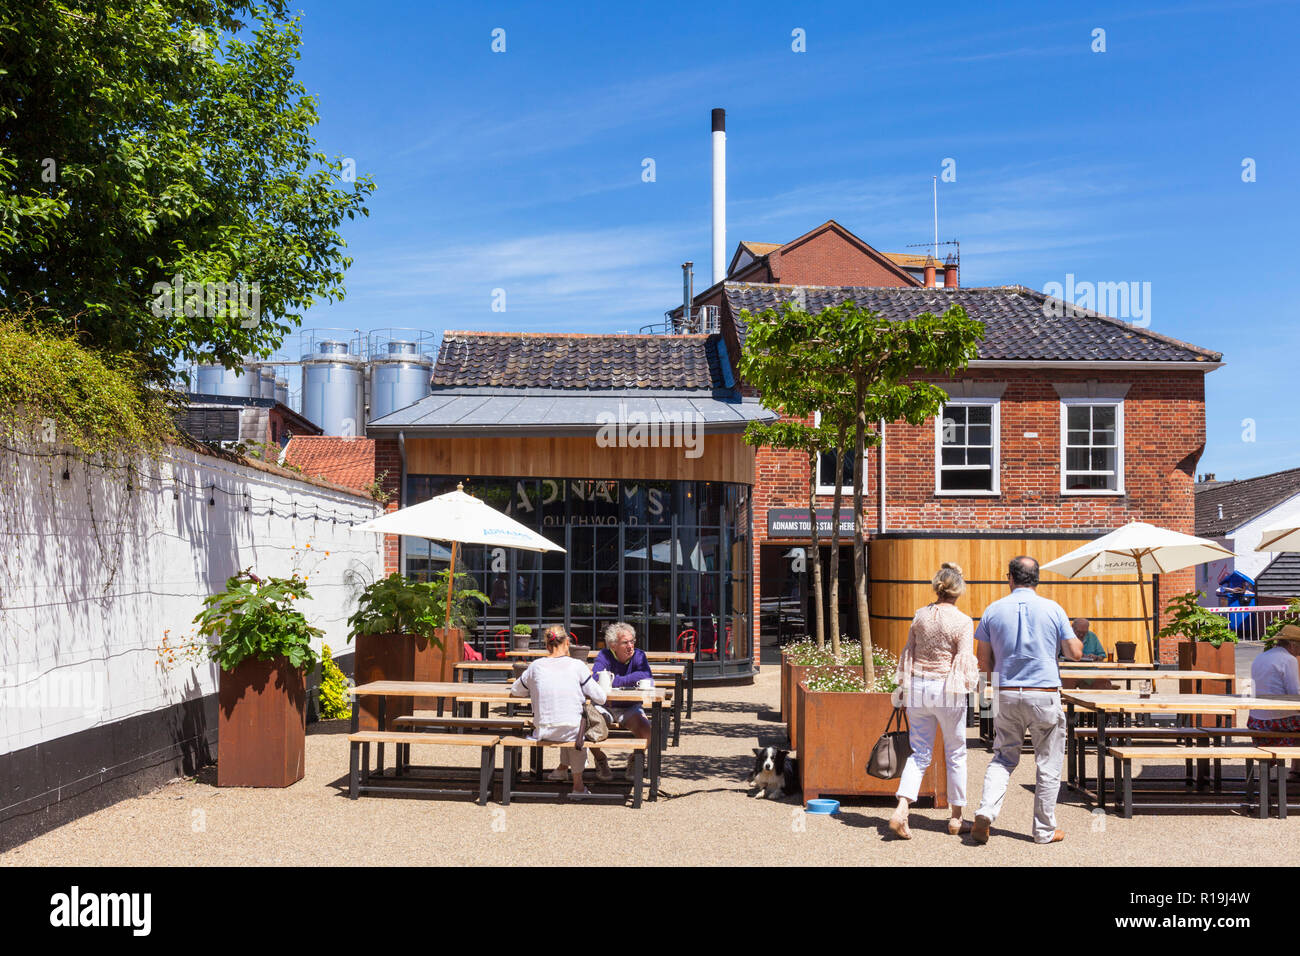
(1146, 616)
(451, 584)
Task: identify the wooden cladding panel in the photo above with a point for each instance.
(901, 569)
(724, 458)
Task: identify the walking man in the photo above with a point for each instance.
(1017, 641)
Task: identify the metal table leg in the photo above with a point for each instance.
(383, 725)
(656, 746)
(690, 691)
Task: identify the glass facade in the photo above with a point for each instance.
(672, 558)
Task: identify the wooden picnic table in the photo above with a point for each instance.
(1132, 674)
(1109, 665)
(686, 658)
(500, 693)
(1121, 706)
(675, 672)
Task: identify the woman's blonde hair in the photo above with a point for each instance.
(555, 636)
(948, 582)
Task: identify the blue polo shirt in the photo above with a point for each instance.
(1025, 632)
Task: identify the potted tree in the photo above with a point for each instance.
(263, 645)
(399, 635)
(839, 720)
(1209, 643)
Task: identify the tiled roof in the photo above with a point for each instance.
(1281, 578)
(581, 362)
(1222, 506)
(345, 461)
(1017, 326)
(909, 260)
(757, 249)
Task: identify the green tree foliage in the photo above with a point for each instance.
(145, 139)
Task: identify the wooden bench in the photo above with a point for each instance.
(512, 752)
(1280, 756)
(359, 771)
(1124, 755)
(1078, 771)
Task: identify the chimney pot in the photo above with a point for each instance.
(929, 276)
(950, 276)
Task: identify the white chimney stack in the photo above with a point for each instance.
(719, 195)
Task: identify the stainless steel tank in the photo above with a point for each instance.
(267, 389)
(237, 383)
(333, 380)
(398, 377)
(282, 391)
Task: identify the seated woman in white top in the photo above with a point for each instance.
(1276, 671)
(557, 685)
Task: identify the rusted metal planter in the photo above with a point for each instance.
(437, 660)
(383, 657)
(796, 673)
(261, 724)
(836, 734)
(1200, 656)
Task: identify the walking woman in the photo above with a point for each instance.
(557, 684)
(936, 671)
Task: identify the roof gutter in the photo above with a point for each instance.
(1110, 366)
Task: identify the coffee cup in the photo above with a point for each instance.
(645, 685)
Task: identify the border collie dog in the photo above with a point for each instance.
(775, 774)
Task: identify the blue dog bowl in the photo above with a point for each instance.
(823, 806)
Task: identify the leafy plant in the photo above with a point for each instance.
(1196, 623)
(94, 400)
(398, 605)
(376, 489)
(1290, 616)
(522, 629)
(253, 617)
(335, 702)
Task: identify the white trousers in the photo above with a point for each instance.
(922, 724)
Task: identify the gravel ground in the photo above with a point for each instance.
(705, 819)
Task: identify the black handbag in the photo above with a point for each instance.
(892, 749)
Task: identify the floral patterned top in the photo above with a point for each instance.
(940, 646)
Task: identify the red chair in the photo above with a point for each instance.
(687, 641)
(713, 651)
(499, 644)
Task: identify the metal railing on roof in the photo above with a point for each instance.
(705, 320)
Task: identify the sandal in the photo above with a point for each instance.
(900, 828)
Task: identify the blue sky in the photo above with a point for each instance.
(522, 170)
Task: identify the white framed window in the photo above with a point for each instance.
(1092, 447)
(966, 459)
(826, 467)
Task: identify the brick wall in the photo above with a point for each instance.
(388, 458)
(1164, 434)
(828, 258)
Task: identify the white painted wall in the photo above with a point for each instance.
(94, 572)
(1243, 540)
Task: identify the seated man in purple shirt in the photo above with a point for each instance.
(629, 667)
